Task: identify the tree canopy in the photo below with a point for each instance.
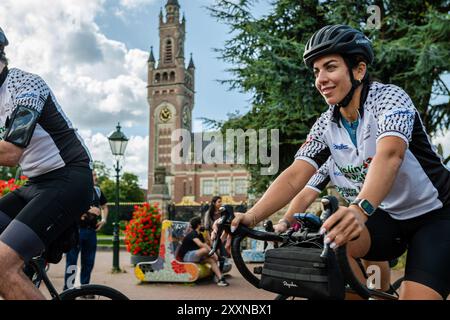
(412, 50)
(129, 185)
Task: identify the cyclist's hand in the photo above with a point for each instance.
(280, 227)
(343, 226)
(239, 218)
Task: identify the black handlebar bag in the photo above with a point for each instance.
(300, 272)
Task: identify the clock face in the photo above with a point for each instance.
(165, 115)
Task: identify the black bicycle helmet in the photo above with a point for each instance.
(3, 40)
(343, 40)
(340, 39)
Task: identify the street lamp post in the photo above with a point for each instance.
(118, 143)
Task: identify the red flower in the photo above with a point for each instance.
(143, 231)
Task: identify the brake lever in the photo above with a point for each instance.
(226, 215)
(330, 204)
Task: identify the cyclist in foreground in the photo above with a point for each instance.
(38, 136)
(376, 138)
(327, 173)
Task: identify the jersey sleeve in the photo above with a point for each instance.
(395, 114)
(315, 150)
(321, 178)
(30, 91)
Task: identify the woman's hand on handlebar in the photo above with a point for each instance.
(241, 218)
(345, 225)
(280, 227)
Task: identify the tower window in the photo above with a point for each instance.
(157, 78)
(168, 57)
(172, 76)
(165, 76)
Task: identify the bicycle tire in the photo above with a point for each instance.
(98, 291)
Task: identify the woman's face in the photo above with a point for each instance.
(218, 203)
(332, 78)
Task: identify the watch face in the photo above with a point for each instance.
(367, 207)
(165, 115)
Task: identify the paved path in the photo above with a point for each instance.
(126, 282)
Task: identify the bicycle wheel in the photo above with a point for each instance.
(92, 292)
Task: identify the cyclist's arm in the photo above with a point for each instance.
(300, 203)
(383, 170)
(348, 223)
(281, 191)
(314, 187)
(395, 124)
(10, 154)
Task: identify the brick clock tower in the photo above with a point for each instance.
(170, 92)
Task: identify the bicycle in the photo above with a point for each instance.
(295, 237)
(36, 270)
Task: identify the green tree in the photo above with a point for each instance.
(103, 173)
(412, 51)
(7, 173)
(129, 188)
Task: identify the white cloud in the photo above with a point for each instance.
(132, 4)
(135, 159)
(444, 140)
(97, 81)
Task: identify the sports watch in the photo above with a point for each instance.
(365, 205)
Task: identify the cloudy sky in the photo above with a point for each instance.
(93, 54)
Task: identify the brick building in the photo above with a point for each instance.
(171, 97)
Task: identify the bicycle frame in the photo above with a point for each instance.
(42, 276)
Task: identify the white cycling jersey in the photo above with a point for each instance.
(54, 143)
(423, 181)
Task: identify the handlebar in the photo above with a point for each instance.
(243, 232)
(330, 204)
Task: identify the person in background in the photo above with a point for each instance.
(194, 249)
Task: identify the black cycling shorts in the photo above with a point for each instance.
(427, 239)
(43, 208)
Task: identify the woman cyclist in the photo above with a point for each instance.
(376, 138)
(327, 173)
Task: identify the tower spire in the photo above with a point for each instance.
(191, 63)
(151, 58)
